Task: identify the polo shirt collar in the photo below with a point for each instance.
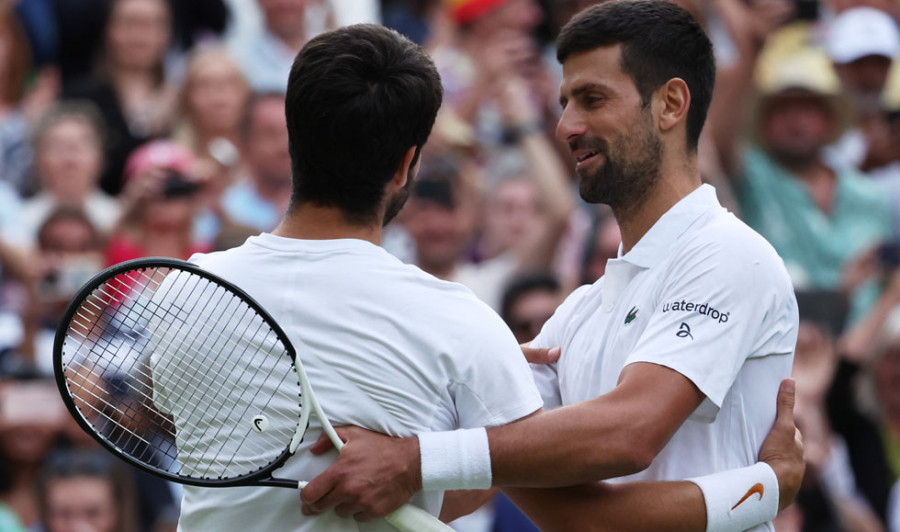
(657, 242)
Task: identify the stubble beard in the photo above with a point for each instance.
(396, 203)
(627, 177)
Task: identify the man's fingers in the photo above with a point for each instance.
(322, 445)
(785, 409)
(317, 488)
(541, 355)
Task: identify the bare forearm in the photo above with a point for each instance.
(459, 503)
(615, 434)
(675, 506)
(573, 445)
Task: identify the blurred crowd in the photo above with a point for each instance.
(133, 128)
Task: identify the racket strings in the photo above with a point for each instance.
(147, 375)
(143, 337)
(285, 416)
(214, 302)
(209, 349)
(126, 320)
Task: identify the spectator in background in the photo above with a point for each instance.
(601, 246)
(15, 268)
(213, 96)
(879, 393)
(888, 385)
(69, 253)
(30, 421)
(15, 62)
(493, 45)
(829, 499)
(86, 491)
(887, 175)
(821, 220)
(68, 145)
(412, 18)
(129, 86)
(261, 198)
(266, 58)
(862, 43)
(528, 302)
(441, 219)
(162, 199)
(213, 99)
(443, 224)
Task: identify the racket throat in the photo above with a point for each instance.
(277, 483)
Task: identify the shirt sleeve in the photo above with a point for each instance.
(495, 387)
(546, 376)
(721, 302)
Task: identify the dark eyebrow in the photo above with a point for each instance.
(581, 89)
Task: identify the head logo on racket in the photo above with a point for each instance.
(260, 423)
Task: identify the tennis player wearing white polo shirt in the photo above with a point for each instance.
(701, 294)
(669, 363)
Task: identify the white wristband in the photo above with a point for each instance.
(455, 460)
(739, 499)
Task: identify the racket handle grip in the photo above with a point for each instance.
(409, 518)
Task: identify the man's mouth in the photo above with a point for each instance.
(583, 155)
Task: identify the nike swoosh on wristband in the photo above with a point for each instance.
(756, 488)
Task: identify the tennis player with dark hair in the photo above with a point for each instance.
(386, 346)
(669, 362)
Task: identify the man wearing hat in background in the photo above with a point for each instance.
(862, 43)
(819, 217)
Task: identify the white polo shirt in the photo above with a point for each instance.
(700, 293)
(387, 347)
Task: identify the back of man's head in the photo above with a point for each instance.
(358, 99)
(660, 41)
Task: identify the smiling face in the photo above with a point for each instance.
(611, 133)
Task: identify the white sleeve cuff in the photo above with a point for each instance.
(455, 460)
(739, 499)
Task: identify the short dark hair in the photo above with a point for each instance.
(357, 99)
(660, 41)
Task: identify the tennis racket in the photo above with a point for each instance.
(185, 376)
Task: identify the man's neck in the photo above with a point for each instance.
(312, 222)
(635, 220)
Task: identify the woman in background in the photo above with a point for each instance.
(129, 85)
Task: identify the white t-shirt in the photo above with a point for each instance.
(394, 350)
(700, 293)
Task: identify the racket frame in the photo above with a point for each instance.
(261, 477)
(407, 518)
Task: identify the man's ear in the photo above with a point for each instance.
(402, 172)
(675, 100)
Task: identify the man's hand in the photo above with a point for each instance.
(373, 476)
(783, 447)
(540, 355)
